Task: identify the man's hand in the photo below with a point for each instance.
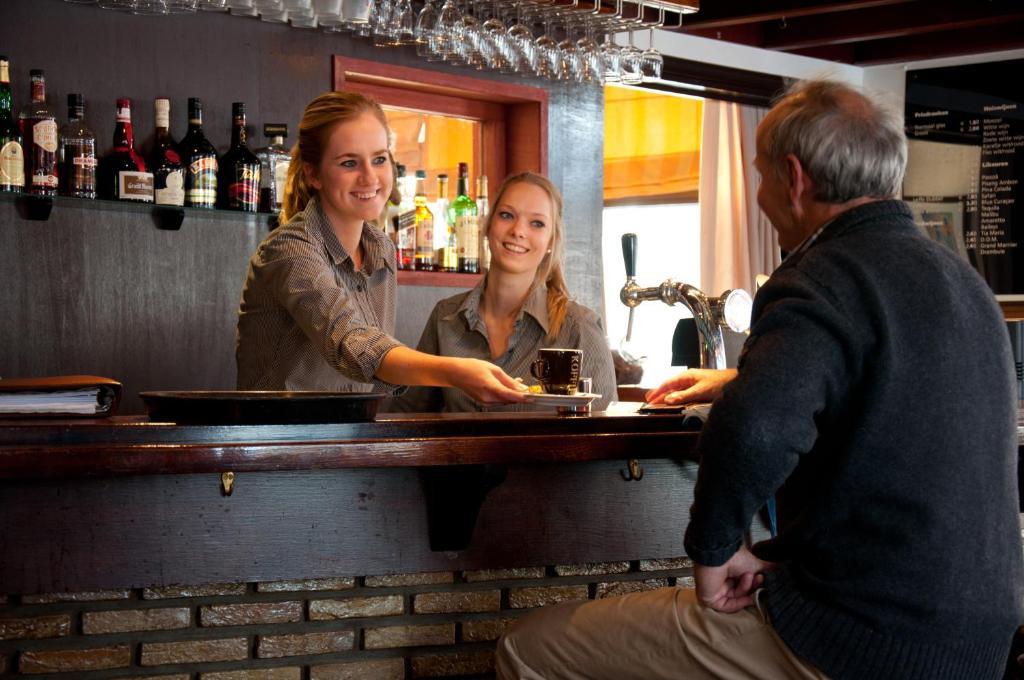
(486, 383)
(730, 587)
(697, 385)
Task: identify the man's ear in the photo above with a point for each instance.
(800, 183)
(310, 173)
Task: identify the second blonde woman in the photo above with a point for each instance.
(520, 306)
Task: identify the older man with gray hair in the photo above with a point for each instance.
(874, 399)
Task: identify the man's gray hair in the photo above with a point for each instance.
(851, 146)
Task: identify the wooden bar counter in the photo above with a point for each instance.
(124, 502)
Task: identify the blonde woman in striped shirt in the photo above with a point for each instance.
(521, 305)
(318, 308)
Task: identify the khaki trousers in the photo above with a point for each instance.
(664, 633)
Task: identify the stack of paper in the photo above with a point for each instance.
(72, 395)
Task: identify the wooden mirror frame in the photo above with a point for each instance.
(513, 118)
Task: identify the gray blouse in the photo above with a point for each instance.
(308, 320)
(456, 329)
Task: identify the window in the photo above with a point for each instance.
(652, 171)
(435, 143)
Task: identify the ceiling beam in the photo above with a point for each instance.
(882, 23)
(744, 34)
(1004, 36)
(721, 13)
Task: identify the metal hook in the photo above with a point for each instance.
(635, 472)
(227, 483)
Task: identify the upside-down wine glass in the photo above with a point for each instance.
(403, 22)
(611, 59)
(630, 63)
(589, 56)
(500, 58)
(548, 61)
(568, 60)
(651, 61)
(470, 52)
(380, 23)
(521, 38)
(447, 32)
(426, 24)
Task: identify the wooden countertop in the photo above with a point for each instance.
(41, 449)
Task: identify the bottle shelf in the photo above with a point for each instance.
(35, 208)
(165, 217)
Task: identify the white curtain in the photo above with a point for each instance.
(737, 241)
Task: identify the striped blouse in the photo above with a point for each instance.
(308, 320)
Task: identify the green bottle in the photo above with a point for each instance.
(467, 226)
(12, 156)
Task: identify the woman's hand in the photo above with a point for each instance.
(485, 382)
(481, 380)
(697, 385)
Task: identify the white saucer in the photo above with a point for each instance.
(578, 399)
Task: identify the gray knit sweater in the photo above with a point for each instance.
(875, 395)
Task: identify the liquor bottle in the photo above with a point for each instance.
(447, 253)
(12, 157)
(77, 153)
(440, 209)
(407, 206)
(164, 161)
(423, 225)
(200, 161)
(274, 162)
(406, 240)
(122, 172)
(483, 209)
(467, 229)
(238, 176)
(404, 220)
(392, 210)
(41, 141)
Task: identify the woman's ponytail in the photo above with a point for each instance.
(296, 192)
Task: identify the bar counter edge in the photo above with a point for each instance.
(93, 505)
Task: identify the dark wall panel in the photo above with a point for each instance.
(99, 289)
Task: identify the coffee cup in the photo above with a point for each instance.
(557, 370)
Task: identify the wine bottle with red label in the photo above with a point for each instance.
(238, 179)
(164, 161)
(123, 173)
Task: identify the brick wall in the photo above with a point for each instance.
(390, 627)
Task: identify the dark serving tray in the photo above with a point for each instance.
(260, 408)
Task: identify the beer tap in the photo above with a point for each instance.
(730, 309)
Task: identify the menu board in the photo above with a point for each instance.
(965, 126)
